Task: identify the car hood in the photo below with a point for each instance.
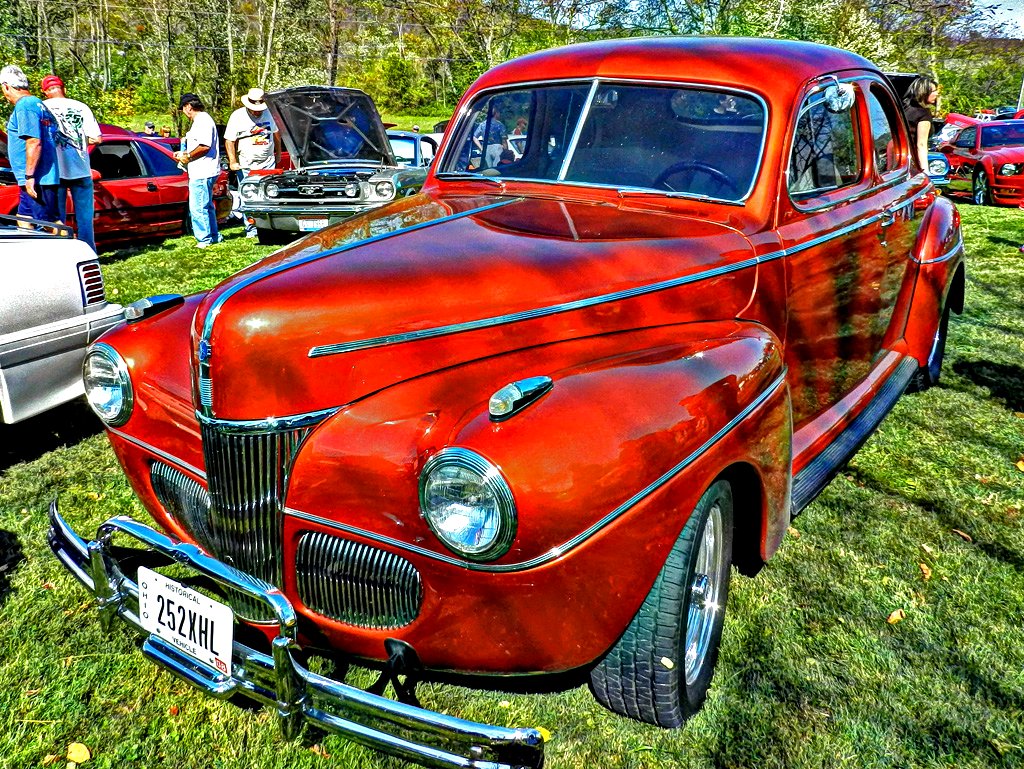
(1005, 155)
(433, 282)
(324, 125)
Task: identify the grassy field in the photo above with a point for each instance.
(928, 519)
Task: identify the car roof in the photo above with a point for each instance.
(777, 66)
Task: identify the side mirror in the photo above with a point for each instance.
(839, 97)
(95, 175)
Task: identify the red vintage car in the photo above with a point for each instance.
(987, 159)
(140, 192)
(524, 421)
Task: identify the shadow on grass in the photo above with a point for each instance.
(11, 555)
(946, 515)
(27, 441)
(1005, 382)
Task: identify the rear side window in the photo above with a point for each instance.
(885, 135)
(824, 156)
(115, 160)
(159, 164)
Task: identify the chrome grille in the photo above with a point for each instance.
(355, 583)
(92, 283)
(247, 472)
(185, 499)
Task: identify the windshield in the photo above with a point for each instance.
(684, 140)
(1002, 135)
(404, 150)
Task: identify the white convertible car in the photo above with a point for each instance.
(52, 305)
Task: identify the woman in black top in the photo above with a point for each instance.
(917, 107)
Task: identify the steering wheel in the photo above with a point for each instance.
(695, 167)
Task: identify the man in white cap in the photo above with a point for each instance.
(251, 140)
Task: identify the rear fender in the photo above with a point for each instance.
(939, 259)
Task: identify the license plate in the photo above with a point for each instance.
(199, 626)
(311, 225)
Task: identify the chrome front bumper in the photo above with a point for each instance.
(278, 679)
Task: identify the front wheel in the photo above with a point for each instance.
(660, 669)
(982, 194)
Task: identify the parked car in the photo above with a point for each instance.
(140, 192)
(988, 161)
(411, 149)
(52, 306)
(343, 164)
(522, 423)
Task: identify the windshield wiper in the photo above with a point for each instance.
(495, 180)
(638, 193)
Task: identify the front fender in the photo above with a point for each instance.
(605, 469)
(624, 411)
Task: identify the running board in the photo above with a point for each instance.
(810, 481)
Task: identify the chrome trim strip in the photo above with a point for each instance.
(540, 312)
(579, 539)
(218, 304)
(169, 458)
(957, 247)
(270, 424)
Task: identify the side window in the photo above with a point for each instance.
(885, 135)
(159, 163)
(966, 138)
(824, 154)
(115, 160)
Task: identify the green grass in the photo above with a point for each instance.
(811, 674)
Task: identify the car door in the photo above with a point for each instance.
(127, 199)
(962, 158)
(836, 263)
(171, 183)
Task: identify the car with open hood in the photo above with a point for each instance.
(343, 164)
(525, 422)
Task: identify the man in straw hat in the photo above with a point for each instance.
(251, 140)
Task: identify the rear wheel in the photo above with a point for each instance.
(982, 193)
(660, 669)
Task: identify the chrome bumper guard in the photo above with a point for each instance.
(279, 680)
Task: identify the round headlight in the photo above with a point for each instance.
(936, 167)
(384, 189)
(467, 504)
(107, 384)
(1010, 169)
(250, 191)
(352, 190)
(273, 190)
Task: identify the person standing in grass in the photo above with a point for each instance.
(251, 140)
(78, 129)
(31, 147)
(201, 157)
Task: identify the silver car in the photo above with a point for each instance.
(52, 305)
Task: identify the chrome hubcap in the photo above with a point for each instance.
(705, 591)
